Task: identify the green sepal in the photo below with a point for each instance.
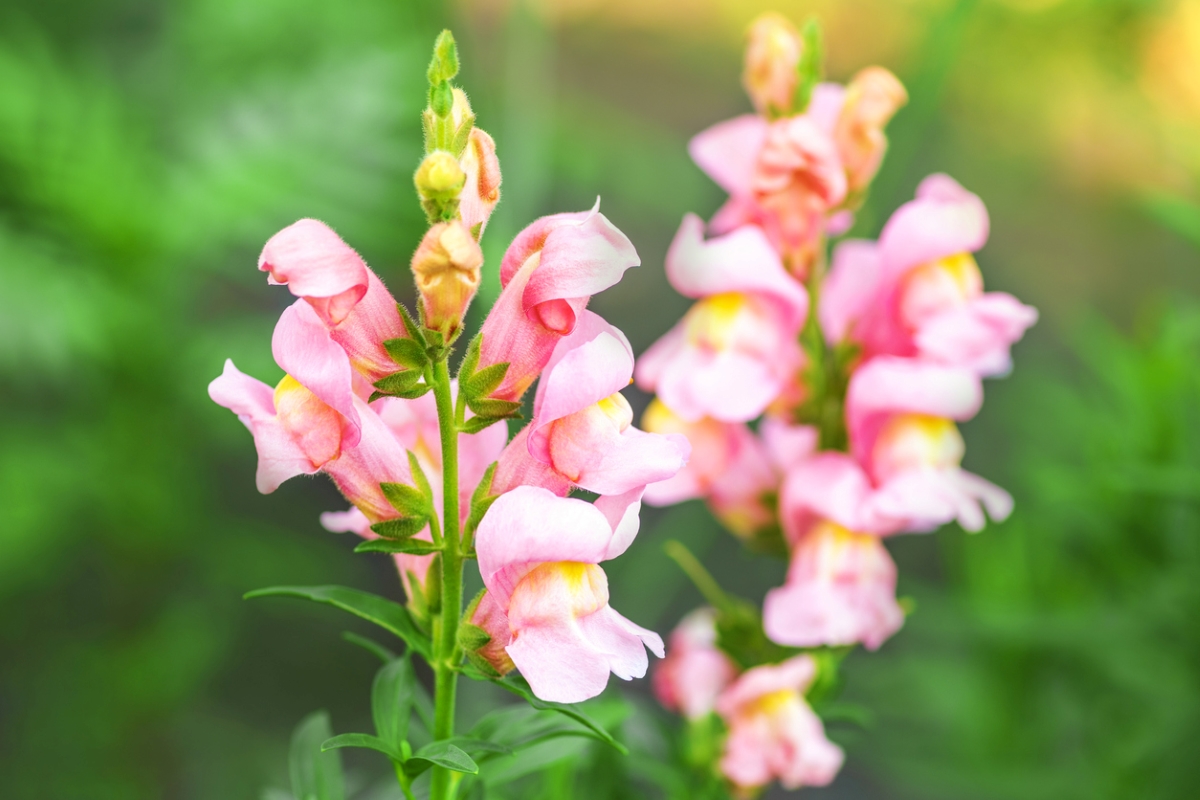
(810, 66)
(315, 774)
(409, 501)
(364, 740)
(413, 547)
(462, 137)
(495, 409)
(476, 230)
(410, 324)
(442, 754)
(471, 637)
(480, 663)
(441, 98)
(397, 383)
(486, 380)
(419, 477)
(481, 500)
(399, 529)
(388, 615)
(407, 352)
(477, 424)
(419, 390)
(433, 585)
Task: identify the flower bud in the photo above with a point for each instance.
(447, 270)
(872, 98)
(485, 636)
(482, 190)
(439, 177)
(772, 56)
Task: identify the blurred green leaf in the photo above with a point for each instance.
(316, 774)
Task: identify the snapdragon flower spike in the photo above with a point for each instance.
(840, 590)
(414, 425)
(538, 555)
(695, 671)
(548, 274)
(773, 734)
(919, 292)
(736, 348)
(331, 340)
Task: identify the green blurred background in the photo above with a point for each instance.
(149, 148)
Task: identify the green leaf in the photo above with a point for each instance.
(413, 547)
(419, 477)
(392, 701)
(315, 774)
(370, 645)
(442, 754)
(388, 615)
(519, 686)
(420, 390)
(363, 740)
(398, 382)
(408, 352)
(409, 501)
(811, 65)
(494, 409)
(400, 528)
(486, 380)
(472, 746)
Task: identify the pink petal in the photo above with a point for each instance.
(852, 289)
(279, 456)
(621, 511)
(559, 661)
(656, 360)
(631, 460)
(787, 444)
(943, 220)
(318, 266)
(349, 521)
(828, 486)
(741, 261)
(587, 366)
(729, 386)
(826, 105)
(517, 467)
(977, 335)
(302, 346)
(728, 151)
(796, 674)
(529, 526)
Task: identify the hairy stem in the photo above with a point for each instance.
(446, 655)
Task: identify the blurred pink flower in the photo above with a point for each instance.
(773, 49)
(538, 555)
(331, 340)
(736, 348)
(694, 671)
(919, 292)
(872, 98)
(549, 273)
(773, 734)
(840, 589)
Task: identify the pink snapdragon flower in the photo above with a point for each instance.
(773, 734)
(539, 556)
(549, 273)
(414, 425)
(840, 589)
(785, 176)
(919, 292)
(736, 348)
(331, 340)
(695, 671)
(296, 433)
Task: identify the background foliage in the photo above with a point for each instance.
(149, 148)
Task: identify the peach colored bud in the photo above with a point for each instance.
(446, 267)
(872, 98)
(439, 177)
(482, 189)
(772, 55)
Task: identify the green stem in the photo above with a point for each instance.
(405, 781)
(701, 577)
(446, 655)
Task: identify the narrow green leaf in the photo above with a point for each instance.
(409, 501)
(519, 686)
(485, 381)
(363, 740)
(370, 645)
(442, 754)
(392, 700)
(811, 65)
(477, 424)
(400, 528)
(407, 352)
(413, 547)
(388, 615)
(315, 775)
(471, 746)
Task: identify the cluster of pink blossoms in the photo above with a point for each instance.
(353, 405)
(857, 373)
